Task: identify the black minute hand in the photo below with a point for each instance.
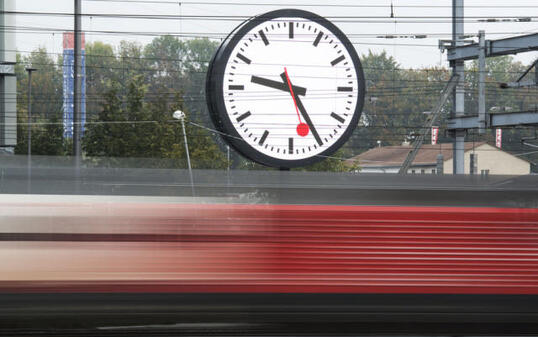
(277, 85)
(301, 108)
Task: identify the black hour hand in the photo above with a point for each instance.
(278, 85)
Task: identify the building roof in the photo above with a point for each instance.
(395, 155)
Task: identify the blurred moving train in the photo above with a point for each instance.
(124, 264)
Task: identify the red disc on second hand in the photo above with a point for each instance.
(302, 129)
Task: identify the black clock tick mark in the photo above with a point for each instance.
(318, 38)
(243, 116)
(337, 60)
(243, 58)
(264, 137)
(291, 33)
(337, 117)
(264, 38)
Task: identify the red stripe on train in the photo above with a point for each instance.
(271, 248)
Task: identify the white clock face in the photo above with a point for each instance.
(291, 89)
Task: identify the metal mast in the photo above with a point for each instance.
(458, 68)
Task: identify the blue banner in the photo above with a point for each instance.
(69, 88)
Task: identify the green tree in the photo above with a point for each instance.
(145, 130)
(121, 132)
(104, 135)
(380, 115)
(181, 65)
(47, 103)
(102, 69)
(163, 57)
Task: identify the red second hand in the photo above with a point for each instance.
(292, 94)
(302, 128)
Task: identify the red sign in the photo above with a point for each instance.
(69, 40)
(435, 134)
(498, 138)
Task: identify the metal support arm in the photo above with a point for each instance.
(494, 120)
(519, 84)
(449, 88)
(511, 45)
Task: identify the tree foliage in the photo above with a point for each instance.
(46, 122)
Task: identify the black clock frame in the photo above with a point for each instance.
(215, 92)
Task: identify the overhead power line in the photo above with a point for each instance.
(287, 4)
(121, 58)
(214, 35)
(335, 18)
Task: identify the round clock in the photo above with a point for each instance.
(285, 88)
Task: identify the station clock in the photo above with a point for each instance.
(286, 88)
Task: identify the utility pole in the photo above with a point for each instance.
(29, 156)
(482, 82)
(77, 91)
(458, 68)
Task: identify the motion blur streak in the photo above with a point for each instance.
(87, 245)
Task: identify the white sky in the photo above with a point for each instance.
(408, 52)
